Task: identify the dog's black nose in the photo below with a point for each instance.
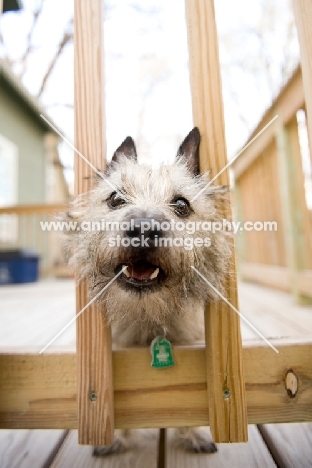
(145, 229)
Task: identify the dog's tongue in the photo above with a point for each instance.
(141, 270)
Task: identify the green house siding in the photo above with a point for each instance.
(20, 126)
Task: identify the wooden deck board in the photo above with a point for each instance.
(32, 314)
(274, 313)
(252, 454)
(28, 448)
(290, 444)
(143, 453)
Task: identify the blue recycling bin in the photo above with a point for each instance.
(18, 266)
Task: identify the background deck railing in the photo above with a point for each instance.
(270, 183)
(20, 228)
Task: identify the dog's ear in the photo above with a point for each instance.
(127, 149)
(189, 150)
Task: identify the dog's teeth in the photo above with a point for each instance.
(154, 274)
(125, 271)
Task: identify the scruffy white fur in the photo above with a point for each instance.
(177, 301)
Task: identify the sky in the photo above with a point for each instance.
(146, 68)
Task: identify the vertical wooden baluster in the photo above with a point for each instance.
(95, 381)
(225, 376)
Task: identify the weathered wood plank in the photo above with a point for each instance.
(262, 202)
(253, 454)
(290, 99)
(270, 275)
(276, 277)
(142, 454)
(39, 391)
(96, 417)
(290, 444)
(225, 374)
(32, 448)
(31, 315)
(46, 208)
(274, 314)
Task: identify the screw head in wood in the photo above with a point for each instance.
(226, 393)
(93, 396)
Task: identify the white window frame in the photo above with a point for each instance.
(9, 178)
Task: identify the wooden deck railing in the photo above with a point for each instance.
(269, 186)
(20, 228)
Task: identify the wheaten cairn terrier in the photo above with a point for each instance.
(147, 225)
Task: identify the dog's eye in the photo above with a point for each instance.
(115, 200)
(182, 207)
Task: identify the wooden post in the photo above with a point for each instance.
(303, 16)
(94, 357)
(286, 175)
(225, 376)
(294, 209)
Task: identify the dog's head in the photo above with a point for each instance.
(146, 228)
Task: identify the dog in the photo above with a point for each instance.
(146, 228)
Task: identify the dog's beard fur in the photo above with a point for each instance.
(175, 298)
(173, 301)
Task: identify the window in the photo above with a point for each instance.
(8, 189)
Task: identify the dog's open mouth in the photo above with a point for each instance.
(140, 273)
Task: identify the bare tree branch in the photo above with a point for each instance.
(29, 47)
(67, 37)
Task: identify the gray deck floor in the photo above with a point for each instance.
(30, 315)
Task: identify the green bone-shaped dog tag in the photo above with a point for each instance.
(161, 352)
